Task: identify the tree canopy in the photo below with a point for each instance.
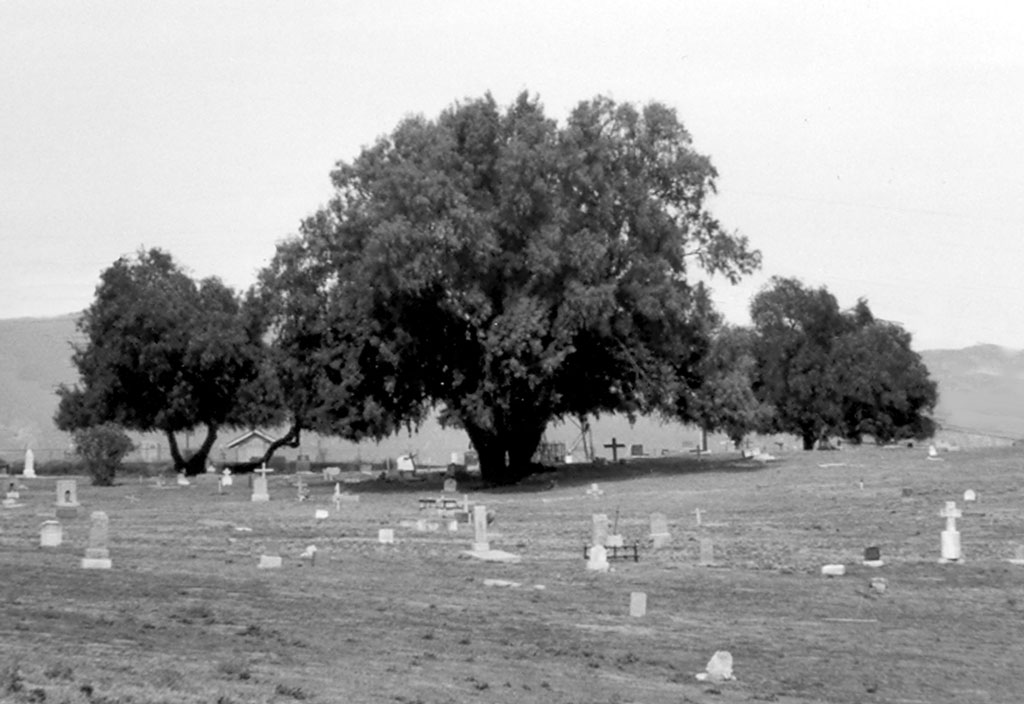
(828, 372)
(507, 270)
(164, 353)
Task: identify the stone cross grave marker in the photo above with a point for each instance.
(260, 492)
(599, 535)
(480, 543)
(50, 534)
(97, 556)
(30, 465)
(615, 446)
(226, 479)
(659, 530)
(950, 536)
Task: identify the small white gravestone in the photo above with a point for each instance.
(309, 554)
(453, 526)
(707, 552)
(30, 465)
(50, 534)
(970, 496)
(67, 498)
(638, 604)
(933, 454)
(595, 491)
(226, 479)
(719, 668)
(659, 530)
(260, 492)
(386, 536)
(950, 536)
(451, 486)
(599, 535)
(97, 556)
(404, 463)
(457, 458)
(597, 559)
(183, 480)
(331, 473)
(270, 562)
(480, 543)
(833, 570)
(321, 514)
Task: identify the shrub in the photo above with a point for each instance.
(102, 447)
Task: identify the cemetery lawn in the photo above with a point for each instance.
(186, 616)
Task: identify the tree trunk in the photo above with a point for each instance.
(289, 439)
(196, 464)
(809, 439)
(505, 457)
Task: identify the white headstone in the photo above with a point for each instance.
(480, 543)
(270, 562)
(404, 463)
(659, 530)
(595, 491)
(970, 495)
(331, 473)
(226, 479)
(67, 498)
(386, 536)
(597, 559)
(321, 514)
(30, 465)
(833, 570)
(50, 534)
(97, 556)
(719, 668)
(638, 604)
(183, 480)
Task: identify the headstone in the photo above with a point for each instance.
(638, 604)
(595, 491)
(707, 552)
(950, 536)
(30, 465)
(873, 557)
(719, 668)
(659, 530)
(970, 495)
(599, 535)
(50, 534)
(226, 479)
(404, 463)
(260, 492)
(636, 450)
(183, 480)
(480, 543)
(833, 570)
(303, 464)
(270, 562)
(614, 540)
(67, 498)
(615, 446)
(331, 473)
(386, 536)
(320, 514)
(97, 556)
(451, 486)
(597, 559)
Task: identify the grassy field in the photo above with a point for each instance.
(185, 615)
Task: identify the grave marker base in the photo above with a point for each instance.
(96, 563)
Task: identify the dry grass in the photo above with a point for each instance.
(185, 615)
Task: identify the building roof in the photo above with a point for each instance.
(247, 436)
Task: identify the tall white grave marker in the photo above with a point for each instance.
(951, 536)
(638, 604)
(260, 492)
(600, 531)
(659, 530)
(50, 534)
(480, 543)
(30, 465)
(97, 556)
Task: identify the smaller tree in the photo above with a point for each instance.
(102, 447)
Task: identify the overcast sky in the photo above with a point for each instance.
(875, 148)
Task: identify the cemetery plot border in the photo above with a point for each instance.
(620, 552)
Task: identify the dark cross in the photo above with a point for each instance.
(614, 447)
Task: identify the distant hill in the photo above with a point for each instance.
(981, 389)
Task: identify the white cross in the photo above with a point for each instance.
(263, 471)
(951, 513)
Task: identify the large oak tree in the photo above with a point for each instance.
(507, 270)
(164, 353)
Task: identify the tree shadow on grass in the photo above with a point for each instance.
(561, 476)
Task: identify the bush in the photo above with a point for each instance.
(102, 447)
